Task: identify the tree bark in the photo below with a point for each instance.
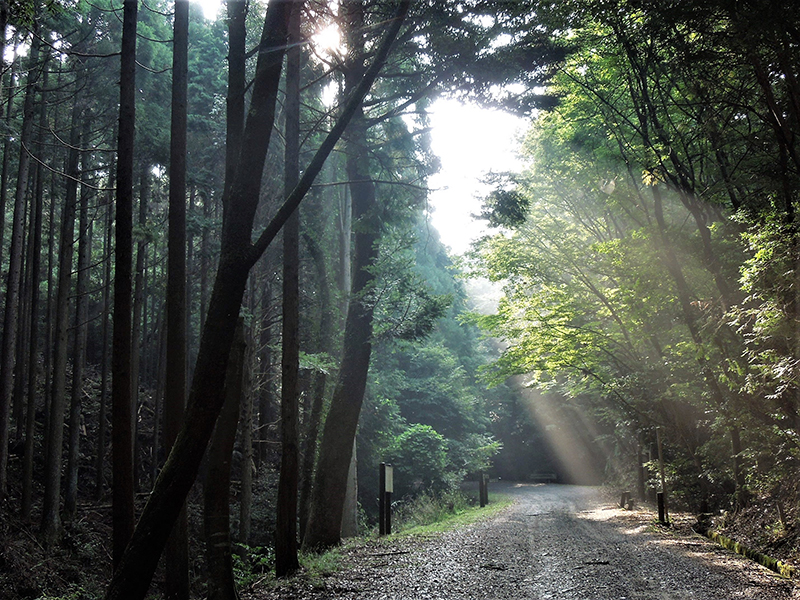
(317, 393)
(51, 518)
(221, 584)
(330, 481)
(79, 337)
(246, 493)
(286, 561)
(238, 255)
(177, 556)
(102, 416)
(122, 435)
(138, 329)
(33, 355)
(16, 250)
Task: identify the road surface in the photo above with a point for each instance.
(556, 542)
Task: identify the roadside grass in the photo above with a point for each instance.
(422, 518)
(429, 516)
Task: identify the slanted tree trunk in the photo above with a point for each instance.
(350, 509)
(122, 435)
(51, 518)
(177, 557)
(238, 255)
(216, 499)
(330, 481)
(286, 561)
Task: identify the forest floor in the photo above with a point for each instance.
(554, 541)
(564, 542)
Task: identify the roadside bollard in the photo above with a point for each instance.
(662, 512)
(623, 501)
(385, 499)
(483, 489)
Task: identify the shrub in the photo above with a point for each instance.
(419, 456)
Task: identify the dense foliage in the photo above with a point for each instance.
(652, 283)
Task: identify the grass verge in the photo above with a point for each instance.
(431, 516)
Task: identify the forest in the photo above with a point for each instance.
(224, 303)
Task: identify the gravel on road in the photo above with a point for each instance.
(555, 542)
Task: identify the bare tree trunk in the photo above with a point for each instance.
(102, 416)
(317, 392)
(6, 147)
(137, 327)
(80, 337)
(51, 518)
(266, 394)
(286, 561)
(221, 584)
(330, 481)
(350, 511)
(158, 409)
(238, 255)
(246, 493)
(16, 250)
(122, 441)
(33, 355)
(177, 556)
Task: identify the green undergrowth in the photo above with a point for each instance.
(422, 517)
(426, 515)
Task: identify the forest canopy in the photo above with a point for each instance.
(224, 304)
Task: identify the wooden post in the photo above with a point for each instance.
(386, 485)
(623, 499)
(662, 508)
(382, 501)
(662, 499)
(481, 484)
(388, 489)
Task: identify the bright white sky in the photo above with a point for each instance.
(470, 141)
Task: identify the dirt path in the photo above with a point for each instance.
(559, 542)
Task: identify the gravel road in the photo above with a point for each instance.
(559, 542)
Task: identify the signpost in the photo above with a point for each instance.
(385, 499)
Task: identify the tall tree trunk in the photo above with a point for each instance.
(33, 355)
(102, 415)
(158, 409)
(122, 435)
(317, 392)
(221, 584)
(246, 493)
(23, 331)
(50, 317)
(266, 393)
(16, 250)
(138, 329)
(6, 153)
(330, 481)
(286, 561)
(79, 337)
(238, 255)
(51, 519)
(177, 557)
